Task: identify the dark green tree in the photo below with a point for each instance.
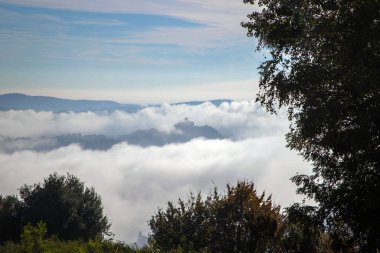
(69, 209)
(240, 221)
(10, 226)
(304, 232)
(324, 66)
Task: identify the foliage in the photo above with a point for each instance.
(303, 232)
(69, 209)
(9, 220)
(240, 221)
(324, 66)
(34, 239)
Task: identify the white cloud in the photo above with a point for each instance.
(133, 182)
(236, 120)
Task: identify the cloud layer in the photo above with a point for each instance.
(235, 120)
(134, 181)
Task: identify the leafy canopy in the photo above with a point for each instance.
(324, 66)
(240, 221)
(69, 209)
(10, 226)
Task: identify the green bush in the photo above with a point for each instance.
(34, 239)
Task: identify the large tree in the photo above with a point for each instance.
(69, 209)
(324, 66)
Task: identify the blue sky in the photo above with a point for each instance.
(127, 50)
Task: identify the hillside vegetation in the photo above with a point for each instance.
(62, 215)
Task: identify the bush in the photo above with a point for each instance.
(240, 221)
(34, 239)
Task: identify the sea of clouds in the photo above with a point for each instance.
(134, 181)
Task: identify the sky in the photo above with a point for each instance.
(140, 52)
(129, 51)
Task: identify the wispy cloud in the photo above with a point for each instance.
(222, 18)
(123, 45)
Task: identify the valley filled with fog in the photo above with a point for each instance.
(138, 160)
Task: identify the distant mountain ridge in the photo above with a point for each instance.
(184, 131)
(18, 101)
(215, 102)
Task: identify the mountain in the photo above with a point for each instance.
(216, 102)
(184, 132)
(16, 101)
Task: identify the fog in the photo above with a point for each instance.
(134, 181)
(237, 120)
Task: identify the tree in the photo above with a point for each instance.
(304, 232)
(240, 221)
(9, 218)
(68, 208)
(324, 66)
